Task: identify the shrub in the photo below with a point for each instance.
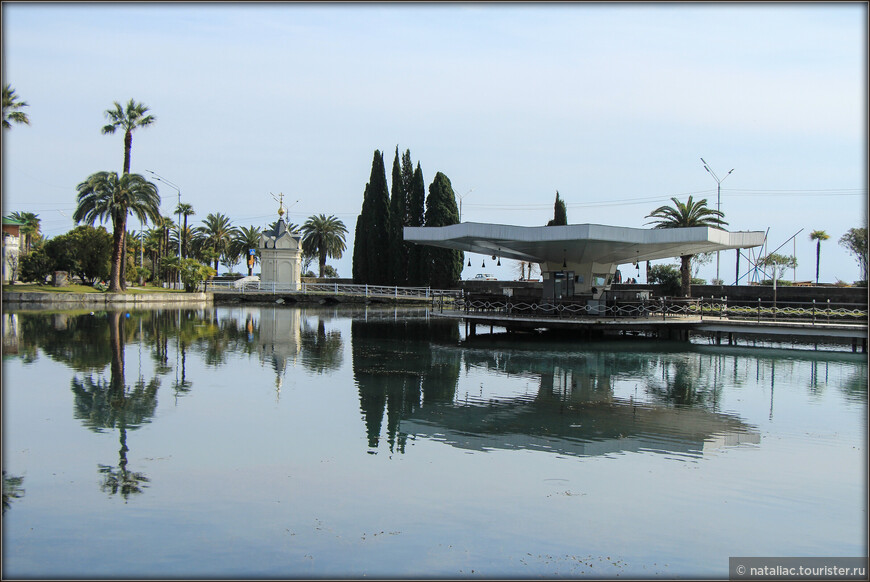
(668, 276)
(36, 266)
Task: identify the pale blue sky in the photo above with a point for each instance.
(610, 104)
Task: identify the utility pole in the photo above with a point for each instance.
(718, 195)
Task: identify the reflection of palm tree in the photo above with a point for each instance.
(682, 378)
(321, 351)
(109, 405)
(127, 482)
(11, 489)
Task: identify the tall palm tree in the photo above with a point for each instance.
(30, 230)
(184, 210)
(12, 108)
(106, 196)
(217, 234)
(686, 215)
(818, 236)
(128, 119)
(323, 236)
(247, 240)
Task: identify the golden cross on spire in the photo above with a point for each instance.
(280, 200)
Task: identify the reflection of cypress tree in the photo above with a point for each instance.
(392, 362)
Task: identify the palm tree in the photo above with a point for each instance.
(248, 239)
(184, 210)
(217, 234)
(12, 108)
(163, 225)
(818, 236)
(30, 230)
(323, 236)
(129, 119)
(106, 196)
(686, 215)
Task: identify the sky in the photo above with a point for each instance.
(611, 105)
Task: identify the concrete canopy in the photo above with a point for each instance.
(581, 243)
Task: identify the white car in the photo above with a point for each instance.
(483, 277)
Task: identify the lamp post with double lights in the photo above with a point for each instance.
(180, 234)
(718, 194)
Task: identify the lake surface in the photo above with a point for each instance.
(257, 442)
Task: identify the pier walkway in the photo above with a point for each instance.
(668, 319)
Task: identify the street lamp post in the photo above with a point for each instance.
(718, 195)
(180, 234)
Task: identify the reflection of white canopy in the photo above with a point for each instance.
(581, 243)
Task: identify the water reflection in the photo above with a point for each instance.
(408, 370)
(573, 411)
(396, 370)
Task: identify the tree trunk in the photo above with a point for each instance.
(128, 145)
(685, 278)
(818, 252)
(123, 275)
(183, 236)
(117, 247)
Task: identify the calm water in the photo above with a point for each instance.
(299, 442)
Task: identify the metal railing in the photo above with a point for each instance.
(362, 290)
(663, 308)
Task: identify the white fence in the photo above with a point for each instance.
(331, 289)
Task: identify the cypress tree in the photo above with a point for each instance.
(360, 266)
(444, 266)
(560, 214)
(372, 236)
(398, 202)
(417, 276)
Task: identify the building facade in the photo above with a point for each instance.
(12, 242)
(281, 256)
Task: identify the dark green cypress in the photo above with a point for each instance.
(372, 236)
(444, 265)
(417, 276)
(560, 214)
(360, 266)
(398, 252)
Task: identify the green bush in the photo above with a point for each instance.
(668, 276)
(193, 273)
(35, 267)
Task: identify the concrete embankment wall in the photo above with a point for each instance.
(103, 299)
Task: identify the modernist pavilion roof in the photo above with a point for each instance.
(581, 243)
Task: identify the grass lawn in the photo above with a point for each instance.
(35, 287)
